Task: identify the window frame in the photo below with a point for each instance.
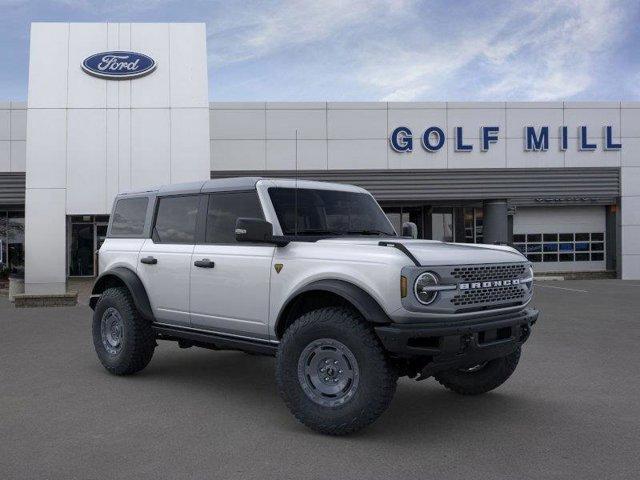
(204, 216)
(156, 208)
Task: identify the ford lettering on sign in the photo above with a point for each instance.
(118, 65)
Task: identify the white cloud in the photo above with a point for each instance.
(406, 50)
(569, 50)
(257, 30)
(546, 50)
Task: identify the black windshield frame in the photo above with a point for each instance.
(328, 213)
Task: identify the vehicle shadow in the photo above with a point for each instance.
(420, 409)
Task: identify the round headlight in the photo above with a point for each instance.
(422, 288)
(530, 285)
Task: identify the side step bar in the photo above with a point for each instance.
(215, 341)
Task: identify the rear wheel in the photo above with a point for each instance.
(123, 340)
(333, 373)
(480, 378)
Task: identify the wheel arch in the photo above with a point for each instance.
(324, 293)
(123, 277)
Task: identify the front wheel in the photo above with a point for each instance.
(333, 373)
(480, 378)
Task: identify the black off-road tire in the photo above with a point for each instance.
(370, 395)
(483, 380)
(137, 340)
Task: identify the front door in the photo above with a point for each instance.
(164, 262)
(230, 280)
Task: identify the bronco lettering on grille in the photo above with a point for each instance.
(489, 284)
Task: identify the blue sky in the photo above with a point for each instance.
(361, 50)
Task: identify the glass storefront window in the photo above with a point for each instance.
(81, 250)
(561, 247)
(394, 214)
(479, 222)
(15, 241)
(86, 235)
(473, 219)
(399, 215)
(11, 243)
(469, 225)
(448, 224)
(442, 227)
(415, 215)
(4, 266)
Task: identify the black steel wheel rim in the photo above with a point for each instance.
(328, 372)
(112, 330)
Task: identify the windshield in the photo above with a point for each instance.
(328, 212)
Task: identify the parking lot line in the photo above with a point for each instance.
(562, 288)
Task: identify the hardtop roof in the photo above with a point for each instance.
(232, 184)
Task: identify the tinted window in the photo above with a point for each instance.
(224, 209)
(128, 217)
(328, 212)
(176, 219)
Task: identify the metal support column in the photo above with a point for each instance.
(496, 227)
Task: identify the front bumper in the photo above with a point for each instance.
(459, 344)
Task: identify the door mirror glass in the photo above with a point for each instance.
(409, 229)
(253, 230)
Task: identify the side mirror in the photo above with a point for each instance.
(256, 230)
(409, 229)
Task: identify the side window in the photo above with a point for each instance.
(176, 219)
(128, 217)
(224, 209)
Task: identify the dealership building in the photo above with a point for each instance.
(114, 107)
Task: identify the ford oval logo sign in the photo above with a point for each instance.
(118, 65)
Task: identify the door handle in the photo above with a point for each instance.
(149, 260)
(204, 263)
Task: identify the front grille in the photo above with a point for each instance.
(479, 273)
(503, 294)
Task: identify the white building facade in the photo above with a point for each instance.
(559, 180)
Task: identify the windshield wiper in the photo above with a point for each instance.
(370, 232)
(319, 231)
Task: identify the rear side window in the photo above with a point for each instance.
(128, 217)
(224, 209)
(176, 219)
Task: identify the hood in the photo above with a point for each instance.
(433, 252)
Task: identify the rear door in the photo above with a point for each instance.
(230, 280)
(164, 262)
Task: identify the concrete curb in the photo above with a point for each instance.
(23, 300)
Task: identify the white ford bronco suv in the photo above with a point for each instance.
(314, 274)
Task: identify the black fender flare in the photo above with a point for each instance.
(368, 307)
(133, 284)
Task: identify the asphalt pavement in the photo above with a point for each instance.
(571, 410)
